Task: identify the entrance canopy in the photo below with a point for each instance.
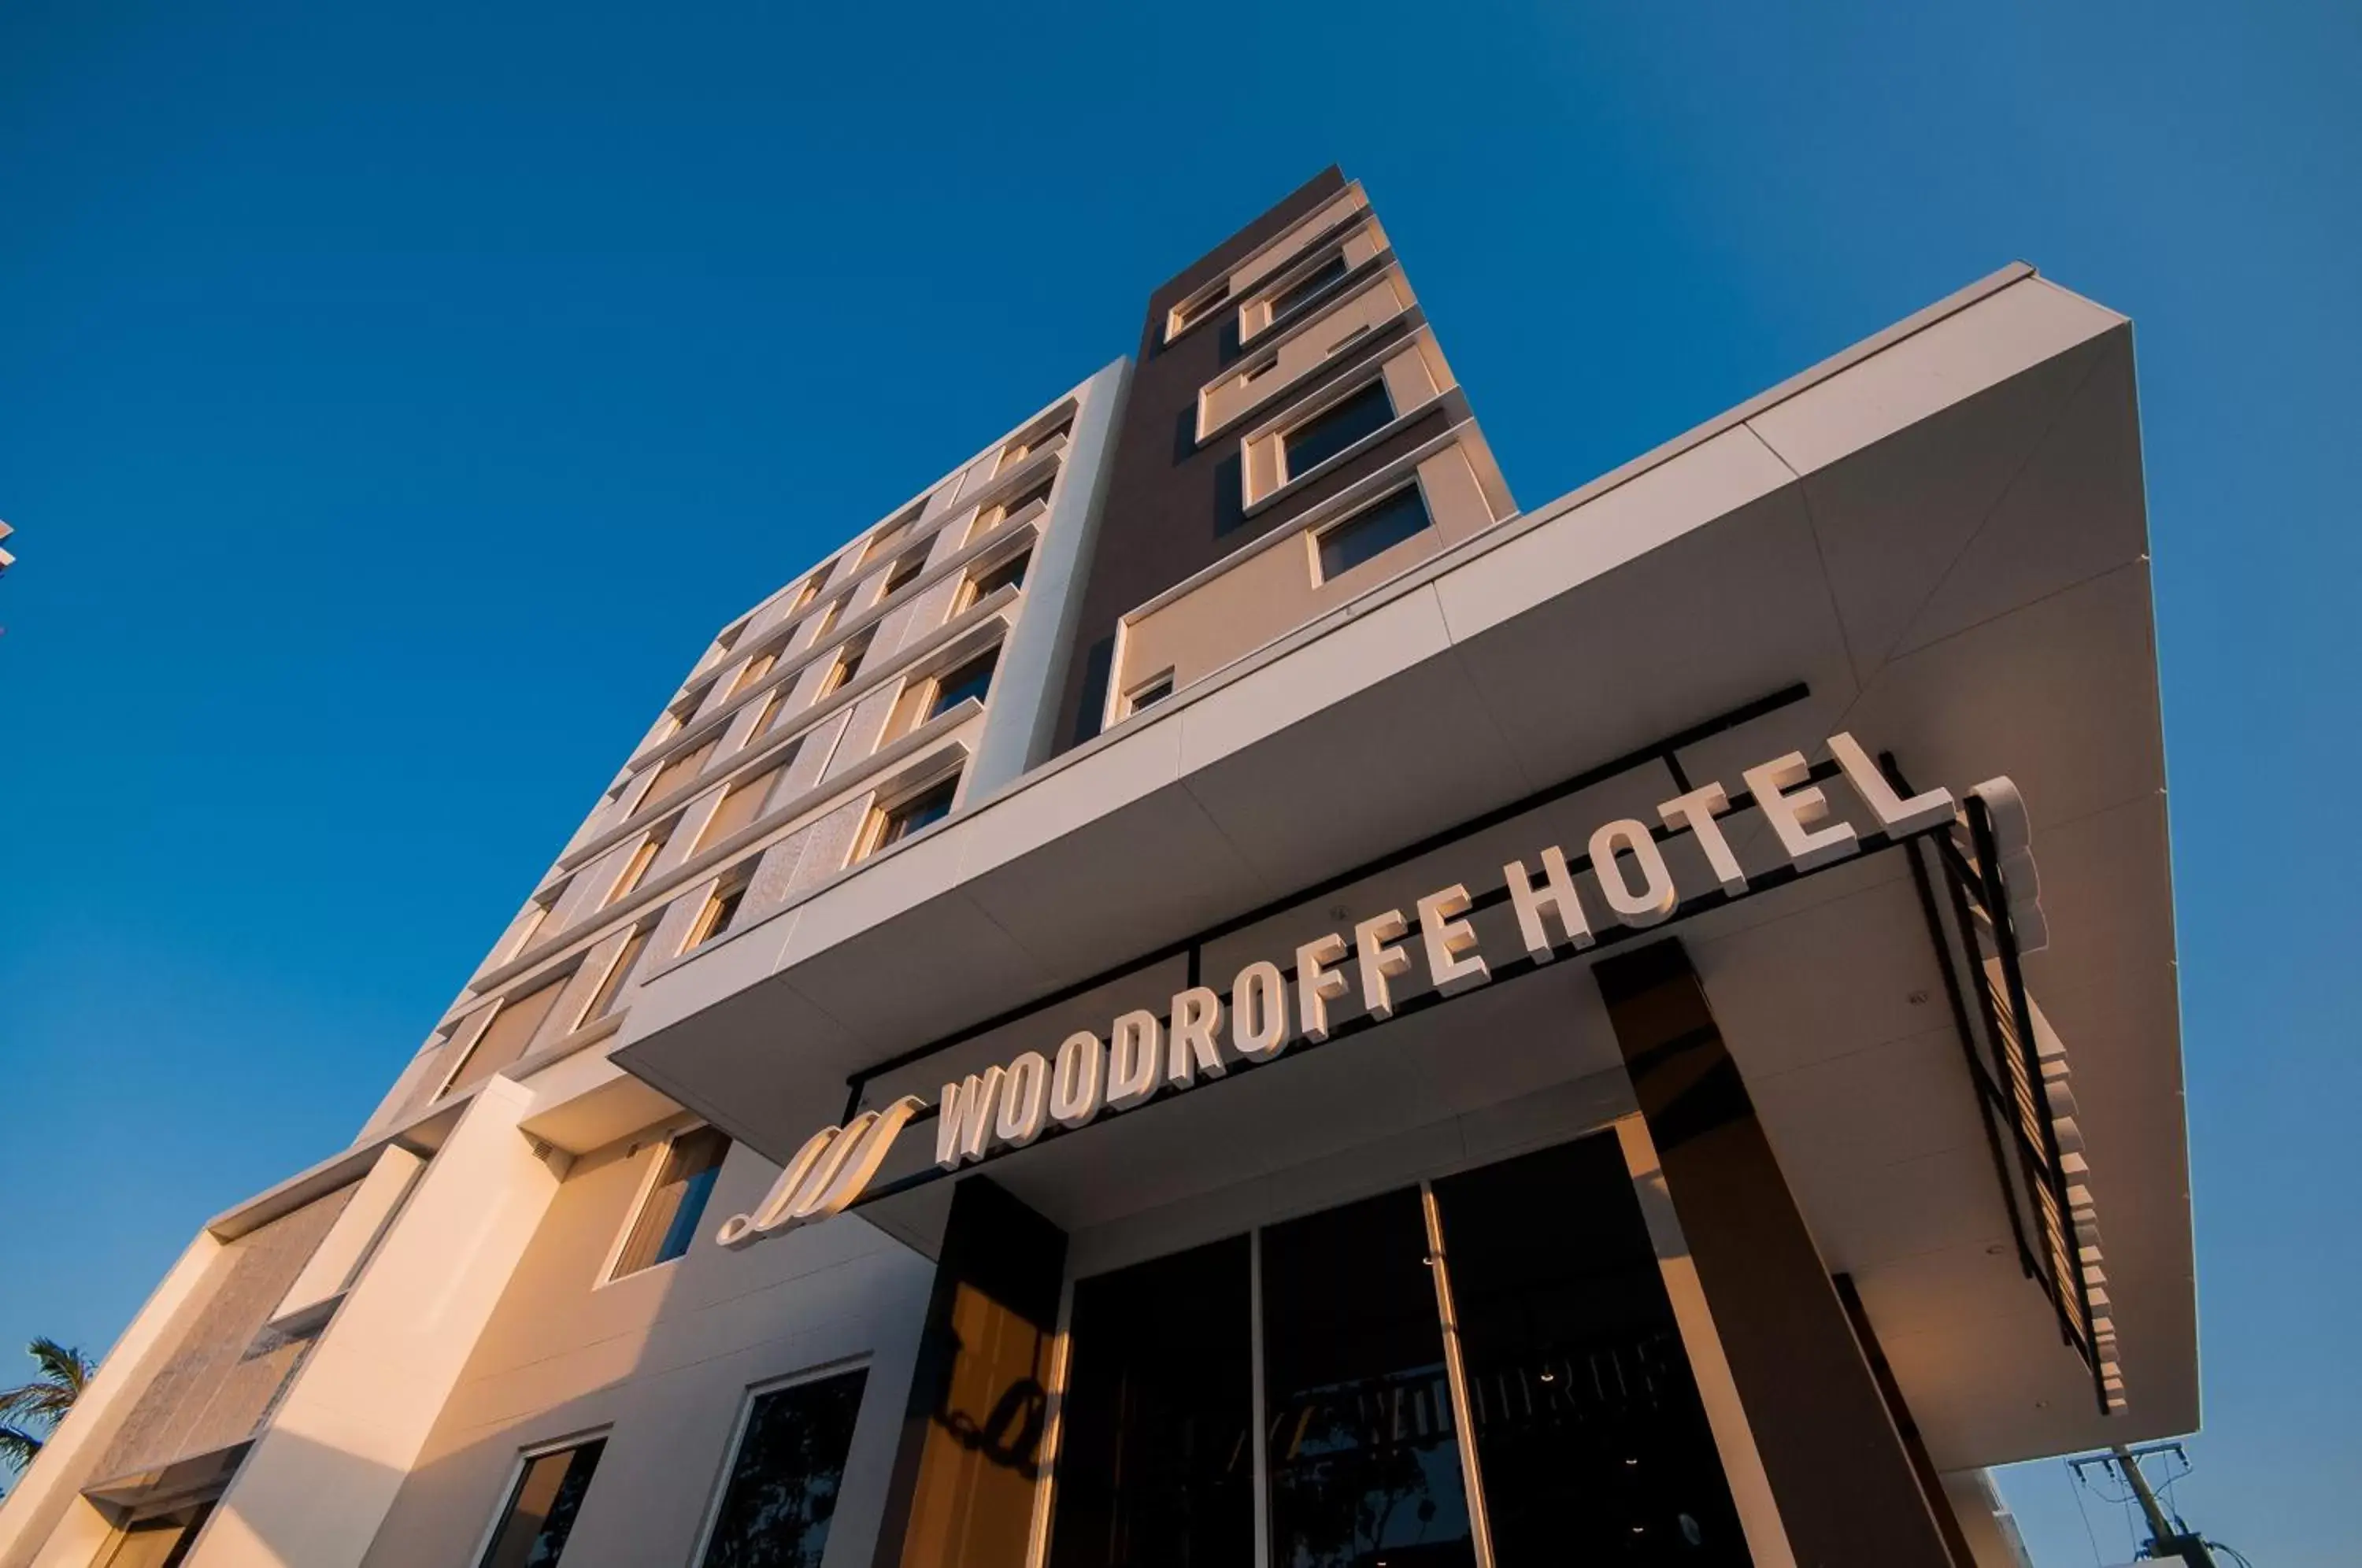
(1935, 543)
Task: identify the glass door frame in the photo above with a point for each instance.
(1734, 1442)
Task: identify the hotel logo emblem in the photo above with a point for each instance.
(827, 1174)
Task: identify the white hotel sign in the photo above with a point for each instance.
(1264, 1012)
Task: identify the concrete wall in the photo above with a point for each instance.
(661, 1361)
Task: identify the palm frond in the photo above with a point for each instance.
(43, 1403)
(61, 1364)
(18, 1447)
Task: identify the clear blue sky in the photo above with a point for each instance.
(393, 398)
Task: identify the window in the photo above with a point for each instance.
(770, 715)
(1011, 454)
(161, 1541)
(756, 668)
(618, 972)
(1041, 491)
(1191, 312)
(906, 571)
(514, 1023)
(1335, 428)
(721, 909)
(827, 619)
(529, 923)
(808, 592)
(892, 824)
(636, 868)
(1309, 288)
(666, 1226)
(1010, 573)
(1149, 694)
(740, 806)
(542, 1506)
(1369, 534)
(680, 769)
(781, 1494)
(848, 664)
(973, 679)
(891, 534)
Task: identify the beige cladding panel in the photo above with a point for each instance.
(661, 1361)
(1269, 592)
(1305, 350)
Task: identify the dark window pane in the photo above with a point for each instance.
(1010, 573)
(783, 1484)
(1373, 533)
(920, 812)
(541, 1510)
(1155, 692)
(666, 1225)
(973, 679)
(1159, 1453)
(1590, 1436)
(1338, 426)
(1309, 288)
(1365, 1459)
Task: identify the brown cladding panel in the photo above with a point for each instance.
(1173, 508)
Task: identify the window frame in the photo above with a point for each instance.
(872, 839)
(734, 883)
(862, 1361)
(634, 947)
(644, 1188)
(1337, 398)
(1321, 576)
(932, 707)
(973, 589)
(635, 869)
(519, 1463)
(1143, 695)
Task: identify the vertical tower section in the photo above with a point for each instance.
(907, 675)
(1293, 438)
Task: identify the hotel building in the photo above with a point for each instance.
(1212, 992)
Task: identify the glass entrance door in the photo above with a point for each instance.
(1584, 1439)
(1590, 1436)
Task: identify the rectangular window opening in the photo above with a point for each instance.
(1010, 573)
(721, 908)
(1371, 532)
(784, 1478)
(666, 1226)
(755, 668)
(1149, 694)
(905, 572)
(515, 1021)
(973, 679)
(1191, 312)
(1309, 288)
(542, 1506)
(892, 824)
(635, 870)
(618, 974)
(848, 664)
(1335, 428)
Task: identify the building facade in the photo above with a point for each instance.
(1210, 993)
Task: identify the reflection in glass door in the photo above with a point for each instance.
(1592, 1444)
(1158, 1454)
(1590, 1436)
(1363, 1451)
